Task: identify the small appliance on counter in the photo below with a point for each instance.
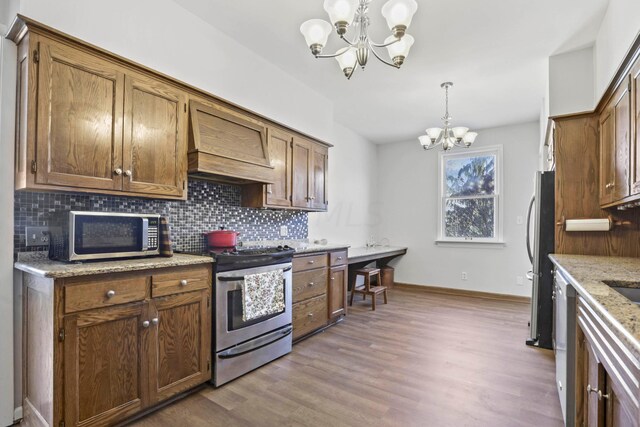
(79, 236)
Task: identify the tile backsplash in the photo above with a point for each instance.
(208, 207)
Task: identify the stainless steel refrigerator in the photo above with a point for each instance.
(540, 243)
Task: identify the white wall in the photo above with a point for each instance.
(408, 191)
(352, 191)
(8, 55)
(571, 82)
(620, 26)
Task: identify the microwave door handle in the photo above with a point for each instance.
(145, 234)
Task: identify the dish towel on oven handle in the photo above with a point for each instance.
(262, 294)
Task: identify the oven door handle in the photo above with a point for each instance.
(238, 278)
(254, 345)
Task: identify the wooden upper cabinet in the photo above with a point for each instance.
(154, 150)
(302, 158)
(106, 373)
(310, 169)
(607, 151)
(181, 339)
(86, 122)
(635, 145)
(615, 146)
(280, 148)
(79, 119)
(319, 172)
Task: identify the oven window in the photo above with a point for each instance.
(234, 311)
(99, 235)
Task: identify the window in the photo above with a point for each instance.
(470, 205)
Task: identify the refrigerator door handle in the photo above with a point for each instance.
(533, 199)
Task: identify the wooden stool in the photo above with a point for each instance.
(367, 289)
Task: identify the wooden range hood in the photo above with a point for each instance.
(227, 146)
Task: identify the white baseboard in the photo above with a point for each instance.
(17, 413)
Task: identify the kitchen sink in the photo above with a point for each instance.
(631, 290)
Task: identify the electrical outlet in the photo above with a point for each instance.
(37, 236)
(519, 280)
(463, 275)
(284, 231)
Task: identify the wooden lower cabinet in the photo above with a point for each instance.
(319, 291)
(607, 375)
(92, 363)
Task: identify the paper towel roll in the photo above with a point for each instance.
(594, 224)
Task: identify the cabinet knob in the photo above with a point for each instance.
(311, 284)
(145, 324)
(310, 315)
(311, 261)
(269, 191)
(127, 172)
(339, 258)
(598, 392)
(155, 320)
(610, 185)
(333, 278)
(184, 282)
(118, 171)
(111, 293)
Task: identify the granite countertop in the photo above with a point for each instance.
(587, 273)
(374, 250)
(39, 264)
(300, 246)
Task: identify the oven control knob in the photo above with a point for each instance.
(280, 248)
(234, 252)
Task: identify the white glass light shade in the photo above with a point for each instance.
(448, 143)
(433, 133)
(425, 141)
(469, 138)
(315, 31)
(399, 12)
(459, 132)
(341, 10)
(348, 59)
(400, 48)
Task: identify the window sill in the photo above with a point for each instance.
(471, 244)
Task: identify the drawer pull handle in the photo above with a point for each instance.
(155, 320)
(311, 284)
(339, 258)
(111, 293)
(145, 324)
(312, 262)
(184, 282)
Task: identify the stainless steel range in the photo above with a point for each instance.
(241, 345)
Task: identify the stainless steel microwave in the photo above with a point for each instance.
(76, 235)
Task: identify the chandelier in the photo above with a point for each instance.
(449, 136)
(344, 13)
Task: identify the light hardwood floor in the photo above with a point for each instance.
(425, 359)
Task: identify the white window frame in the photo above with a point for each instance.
(495, 150)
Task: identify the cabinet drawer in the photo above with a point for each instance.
(309, 262)
(309, 284)
(101, 292)
(338, 258)
(180, 280)
(309, 315)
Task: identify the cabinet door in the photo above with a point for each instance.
(279, 193)
(607, 151)
(106, 364)
(180, 343)
(154, 137)
(319, 169)
(302, 154)
(622, 112)
(338, 291)
(617, 414)
(79, 121)
(635, 146)
(595, 375)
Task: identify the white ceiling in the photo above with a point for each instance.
(494, 51)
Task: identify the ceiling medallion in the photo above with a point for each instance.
(345, 13)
